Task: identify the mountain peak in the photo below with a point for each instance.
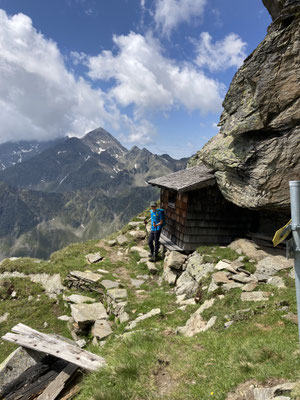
(100, 140)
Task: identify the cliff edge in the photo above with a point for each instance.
(257, 150)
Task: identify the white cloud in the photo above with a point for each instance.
(141, 76)
(223, 54)
(39, 98)
(170, 13)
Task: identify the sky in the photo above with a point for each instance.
(153, 73)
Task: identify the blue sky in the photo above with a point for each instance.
(151, 72)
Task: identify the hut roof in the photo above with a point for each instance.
(186, 179)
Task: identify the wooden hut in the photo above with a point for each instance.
(196, 211)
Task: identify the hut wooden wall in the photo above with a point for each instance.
(204, 217)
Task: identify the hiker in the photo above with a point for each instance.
(156, 225)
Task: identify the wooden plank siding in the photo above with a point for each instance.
(203, 217)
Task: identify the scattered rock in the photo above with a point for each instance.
(78, 299)
(108, 284)
(291, 317)
(236, 264)
(150, 314)
(220, 277)
(122, 239)
(138, 235)
(276, 281)
(65, 318)
(250, 249)
(292, 273)
(134, 224)
(112, 243)
(243, 278)
(137, 282)
(117, 295)
(4, 317)
(186, 284)
(86, 276)
(140, 250)
(51, 283)
(271, 265)
(196, 324)
(249, 287)
(169, 275)
(93, 258)
(151, 267)
(86, 314)
(212, 287)
(101, 329)
(222, 265)
(206, 305)
(174, 260)
(228, 324)
(123, 317)
(255, 296)
(102, 271)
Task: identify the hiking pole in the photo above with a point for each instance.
(295, 213)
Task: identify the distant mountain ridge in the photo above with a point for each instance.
(74, 189)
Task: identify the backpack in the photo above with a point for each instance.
(163, 217)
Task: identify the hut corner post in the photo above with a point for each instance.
(295, 214)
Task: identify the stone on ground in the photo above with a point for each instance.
(140, 250)
(86, 276)
(51, 283)
(122, 239)
(250, 249)
(85, 314)
(174, 260)
(78, 299)
(243, 278)
(4, 317)
(101, 329)
(112, 242)
(220, 277)
(271, 265)
(150, 314)
(139, 235)
(186, 284)
(255, 296)
(151, 267)
(223, 265)
(169, 275)
(249, 287)
(93, 258)
(137, 282)
(196, 324)
(108, 284)
(276, 281)
(117, 294)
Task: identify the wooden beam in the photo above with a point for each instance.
(56, 386)
(32, 339)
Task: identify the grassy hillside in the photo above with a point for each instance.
(153, 361)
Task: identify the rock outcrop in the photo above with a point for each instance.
(257, 150)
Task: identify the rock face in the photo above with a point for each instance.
(257, 150)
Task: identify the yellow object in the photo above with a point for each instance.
(282, 234)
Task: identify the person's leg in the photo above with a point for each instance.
(150, 243)
(156, 240)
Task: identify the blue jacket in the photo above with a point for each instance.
(156, 217)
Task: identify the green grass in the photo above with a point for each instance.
(154, 362)
(213, 254)
(33, 313)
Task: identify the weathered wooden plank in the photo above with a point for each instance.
(32, 339)
(56, 386)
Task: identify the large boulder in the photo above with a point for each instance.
(257, 150)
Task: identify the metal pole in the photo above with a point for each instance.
(295, 213)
